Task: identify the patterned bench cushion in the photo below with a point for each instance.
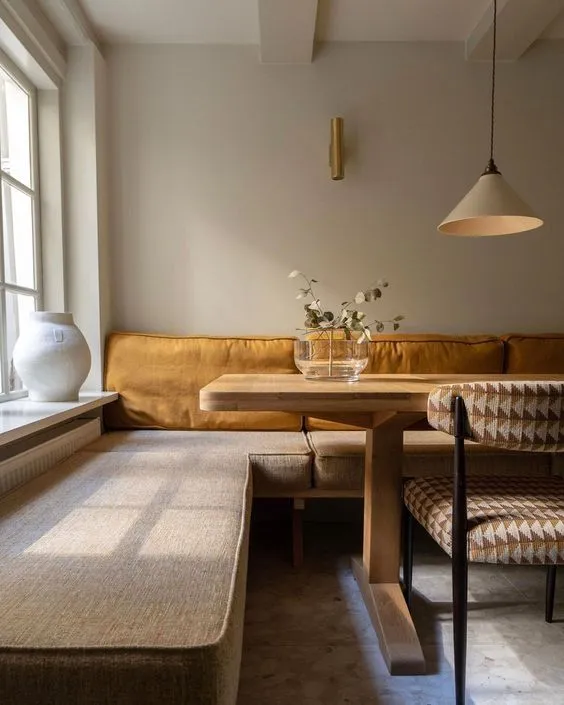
(510, 520)
(338, 462)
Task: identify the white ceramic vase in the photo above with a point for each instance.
(52, 357)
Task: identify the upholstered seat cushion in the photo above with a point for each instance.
(159, 378)
(280, 461)
(510, 519)
(338, 462)
(123, 581)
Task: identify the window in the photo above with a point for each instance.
(20, 274)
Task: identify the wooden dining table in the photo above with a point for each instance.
(384, 405)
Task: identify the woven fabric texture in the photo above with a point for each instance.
(338, 463)
(512, 415)
(123, 580)
(510, 520)
(280, 461)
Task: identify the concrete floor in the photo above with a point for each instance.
(309, 641)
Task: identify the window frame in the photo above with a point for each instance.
(33, 192)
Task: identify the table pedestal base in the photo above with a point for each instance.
(390, 617)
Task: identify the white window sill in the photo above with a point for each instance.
(21, 417)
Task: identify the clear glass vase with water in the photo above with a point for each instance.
(330, 355)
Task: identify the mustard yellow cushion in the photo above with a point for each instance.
(428, 354)
(534, 354)
(159, 379)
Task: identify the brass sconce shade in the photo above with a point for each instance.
(336, 149)
(492, 207)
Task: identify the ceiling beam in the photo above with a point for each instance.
(72, 22)
(519, 24)
(287, 31)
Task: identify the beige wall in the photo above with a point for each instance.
(220, 186)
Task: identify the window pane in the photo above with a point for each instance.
(18, 308)
(17, 219)
(14, 129)
(2, 365)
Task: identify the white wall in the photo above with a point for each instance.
(220, 186)
(86, 226)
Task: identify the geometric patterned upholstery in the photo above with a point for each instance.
(511, 415)
(510, 519)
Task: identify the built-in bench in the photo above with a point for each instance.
(123, 577)
(123, 568)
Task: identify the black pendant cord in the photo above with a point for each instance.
(492, 167)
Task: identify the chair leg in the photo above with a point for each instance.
(407, 555)
(298, 532)
(550, 586)
(460, 621)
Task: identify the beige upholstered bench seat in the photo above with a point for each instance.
(280, 461)
(338, 462)
(123, 579)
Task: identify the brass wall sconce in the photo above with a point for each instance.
(336, 149)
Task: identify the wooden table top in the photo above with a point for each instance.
(293, 392)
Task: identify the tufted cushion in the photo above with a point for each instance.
(510, 519)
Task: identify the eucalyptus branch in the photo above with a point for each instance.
(349, 319)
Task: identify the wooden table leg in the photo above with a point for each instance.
(378, 572)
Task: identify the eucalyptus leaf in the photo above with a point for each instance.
(348, 319)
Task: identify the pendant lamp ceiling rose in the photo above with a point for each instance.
(491, 207)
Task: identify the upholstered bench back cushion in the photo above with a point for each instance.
(431, 354)
(534, 354)
(159, 378)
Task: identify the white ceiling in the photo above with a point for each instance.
(190, 21)
(236, 21)
(398, 20)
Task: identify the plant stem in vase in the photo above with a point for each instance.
(321, 355)
(331, 353)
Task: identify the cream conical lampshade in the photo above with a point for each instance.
(491, 208)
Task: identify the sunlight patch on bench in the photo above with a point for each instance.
(222, 491)
(198, 533)
(126, 492)
(88, 531)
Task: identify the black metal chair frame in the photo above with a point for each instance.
(459, 556)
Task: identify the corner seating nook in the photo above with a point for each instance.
(125, 566)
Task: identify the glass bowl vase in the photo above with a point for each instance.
(324, 355)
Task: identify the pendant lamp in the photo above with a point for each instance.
(492, 207)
